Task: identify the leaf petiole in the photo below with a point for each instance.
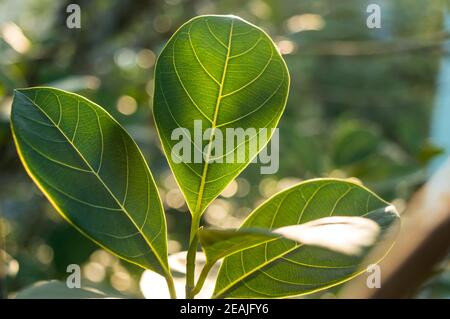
(191, 255)
(202, 278)
(171, 286)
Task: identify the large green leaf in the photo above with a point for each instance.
(282, 267)
(92, 172)
(226, 73)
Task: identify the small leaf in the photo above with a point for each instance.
(353, 142)
(219, 243)
(347, 235)
(282, 268)
(225, 73)
(92, 172)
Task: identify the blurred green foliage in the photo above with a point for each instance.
(360, 106)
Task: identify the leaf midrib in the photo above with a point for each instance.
(101, 181)
(198, 205)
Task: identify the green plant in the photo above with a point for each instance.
(225, 73)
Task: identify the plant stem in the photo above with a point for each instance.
(171, 286)
(191, 254)
(202, 278)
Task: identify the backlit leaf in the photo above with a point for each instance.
(282, 268)
(92, 172)
(224, 73)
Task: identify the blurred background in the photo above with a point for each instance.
(372, 104)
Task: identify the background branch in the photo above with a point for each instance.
(424, 241)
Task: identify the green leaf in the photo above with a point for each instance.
(353, 142)
(219, 243)
(92, 172)
(284, 268)
(226, 73)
